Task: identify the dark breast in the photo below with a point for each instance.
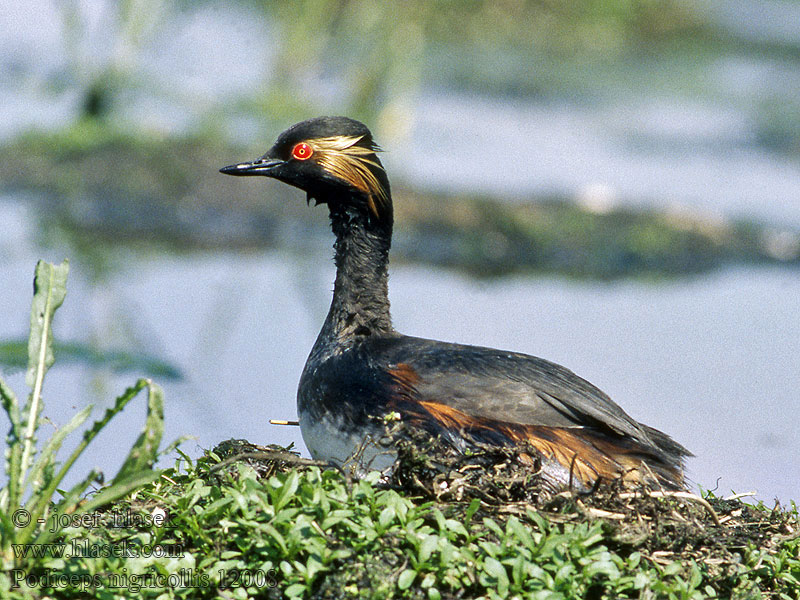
(347, 383)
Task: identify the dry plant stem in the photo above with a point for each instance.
(599, 513)
(739, 496)
(682, 495)
(284, 422)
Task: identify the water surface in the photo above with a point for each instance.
(713, 360)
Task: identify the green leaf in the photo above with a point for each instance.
(427, 547)
(386, 517)
(601, 567)
(495, 569)
(313, 566)
(295, 590)
(471, 510)
(440, 520)
(286, 491)
(518, 570)
(118, 490)
(521, 532)
(540, 521)
(49, 290)
(48, 453)
(144, 452)
(406, 578)
(447, 553)
(10, 403)
(456, 527)
(494, 527)
(696, 577)
(275, 535)
(14, 452)
(14, 353)
(641, 580)
(595, 537)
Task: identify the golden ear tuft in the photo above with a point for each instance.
(342, 157)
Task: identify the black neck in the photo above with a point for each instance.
(360, 306)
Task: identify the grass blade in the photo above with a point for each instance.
(38, 504)
(10, 403)
(66, 505)
(72, 504)
(120, 489)
(48, 453)
(144, 452)
(14, 452)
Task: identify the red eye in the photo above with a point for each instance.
(302, 151)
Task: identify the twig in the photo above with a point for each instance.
(602, 514)
(682, 495)
(742, 495)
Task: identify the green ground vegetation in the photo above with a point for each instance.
(266, 526)
(246, 521)
(34, 475)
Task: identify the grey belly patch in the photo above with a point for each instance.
(327, 439)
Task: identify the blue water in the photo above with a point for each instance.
(713, 361)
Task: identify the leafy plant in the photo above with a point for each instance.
(36, 472)
(14, 353)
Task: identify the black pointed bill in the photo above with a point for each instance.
(262, 166)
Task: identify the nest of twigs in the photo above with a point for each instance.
(265, 460)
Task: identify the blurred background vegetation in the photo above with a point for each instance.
(148, 84)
